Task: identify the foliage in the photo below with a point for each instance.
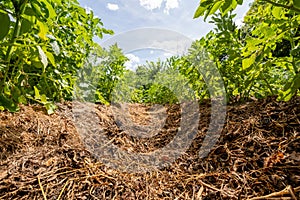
(249, 58)
(155, 82)
(261, 50)
(100, 75)
(209, 7)
(259, 59)
(47, 54)
(43, 45)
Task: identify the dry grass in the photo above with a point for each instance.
(256, 157)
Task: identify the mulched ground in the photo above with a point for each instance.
(256, 157)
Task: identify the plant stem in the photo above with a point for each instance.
(268, 85)
(14, 37)
(17, 30)
(289, 6)
(293, 45)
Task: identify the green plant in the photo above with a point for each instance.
(154, 82)
(43, 45)
(248, 58)
(99, 77)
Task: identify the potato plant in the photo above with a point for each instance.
(43, 45)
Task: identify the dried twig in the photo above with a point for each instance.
(41, 186)
(285, 191)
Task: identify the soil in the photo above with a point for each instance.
(62, 156)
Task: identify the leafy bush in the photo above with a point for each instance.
(43, 45)
(98, 78)
(251, 59)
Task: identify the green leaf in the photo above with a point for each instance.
(37, 64)
(26, 26)
(100, 98)
(43, 99)
(214, 8)
(247, 62)
(296, 3)
(8, 103)
(276, 12)
(50, 108)
(51, 12)
(58, 2)
(22, 99)
(35, 5)
(204, 4)
(290, 89)
(234, 5)
(200, 11)
(43, 30)
(226, 6)
(81, 11)
(29, 11)
(16, 92)
(51, 58)
(295, 51)
(240, 2)
(36, 93)
(5, 25)
(296, 82)
(235, 91)
(6, 89)
(285, 95)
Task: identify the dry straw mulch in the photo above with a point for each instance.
(256, 157)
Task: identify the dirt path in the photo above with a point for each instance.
(45, 157)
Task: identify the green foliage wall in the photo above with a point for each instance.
(251, 59)
(259, 59)
(43, 44)
(98, 78)
(47, 54)
(155, 82)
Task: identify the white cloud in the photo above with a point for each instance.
(112, 6)
(133, 62)
(154, 4)
(151, 4)
(171, 4)
(176, 47)
(167, 54)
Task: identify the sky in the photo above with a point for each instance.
(123, 16)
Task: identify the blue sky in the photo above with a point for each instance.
(176, 15)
